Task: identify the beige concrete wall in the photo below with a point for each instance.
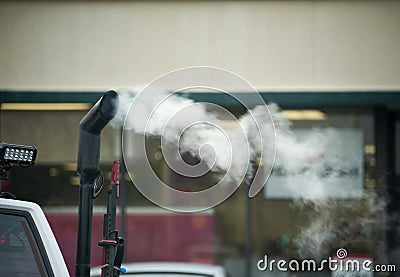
(273, 44)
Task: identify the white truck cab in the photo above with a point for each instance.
(27, 244)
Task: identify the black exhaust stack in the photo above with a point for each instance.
(89, 173)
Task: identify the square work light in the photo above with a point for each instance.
(18, 154)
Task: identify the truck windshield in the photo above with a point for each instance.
(19, 253)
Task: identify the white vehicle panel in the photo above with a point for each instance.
(168, 269)
(49, 241)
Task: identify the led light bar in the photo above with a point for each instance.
(19, 154)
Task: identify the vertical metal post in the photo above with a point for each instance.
(123, 193)
(384, 140)
(249, 230)
(110, 233)
(249, 219)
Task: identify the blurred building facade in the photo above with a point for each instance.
(337, 57)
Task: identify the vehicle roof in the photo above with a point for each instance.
(176, 267)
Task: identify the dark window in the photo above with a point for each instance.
(19, 253)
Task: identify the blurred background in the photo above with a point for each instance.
(327, 64)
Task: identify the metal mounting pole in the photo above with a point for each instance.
(249, 230)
